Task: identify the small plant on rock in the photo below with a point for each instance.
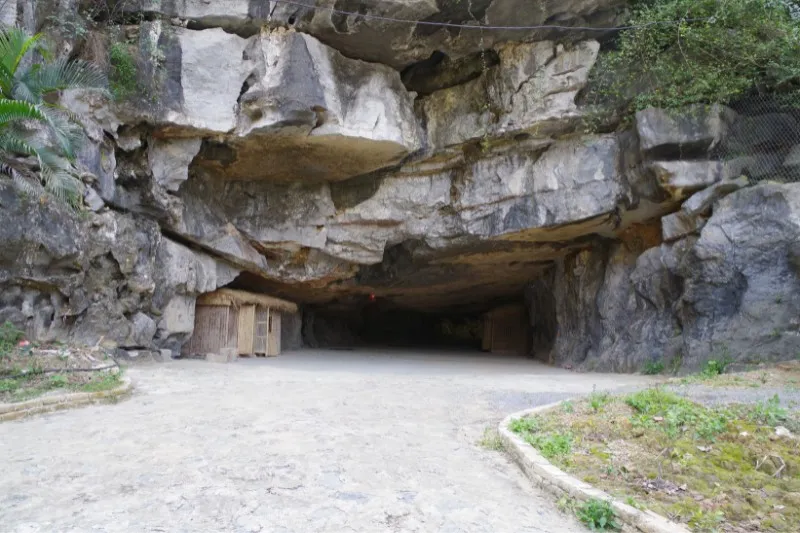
(597, 515)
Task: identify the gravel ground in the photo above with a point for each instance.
(309, 441)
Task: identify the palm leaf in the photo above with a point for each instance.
(15, 43)
(63, 74)
(14, 110)
(13, 144)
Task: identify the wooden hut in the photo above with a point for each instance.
(506, 330)
(246, 322)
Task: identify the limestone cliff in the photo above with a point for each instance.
(325, 157)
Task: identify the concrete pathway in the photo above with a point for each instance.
(311, 441)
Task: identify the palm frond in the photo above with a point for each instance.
(13, 110)
(15, 43)
(20, 91)
(60, 179)
(14, 144)
(6, 80)
(63, 74)
(63, 132)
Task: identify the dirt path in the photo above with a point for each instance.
(311, 441)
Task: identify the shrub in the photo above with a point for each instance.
(597, 515)
(10, 335)
(652, 368)
(717, 51)
(715, 367)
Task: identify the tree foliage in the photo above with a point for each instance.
(716, 52)
(32, 124)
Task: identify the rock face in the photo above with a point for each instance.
(336, 160)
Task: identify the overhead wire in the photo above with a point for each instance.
(485, 26)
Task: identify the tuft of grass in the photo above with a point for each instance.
(491, 440)
(524, 425)
(597, 515)
(551, 445)
(568, 406)
(106, 381)
(652, 368)
(598, 400)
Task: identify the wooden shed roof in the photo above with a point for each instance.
(231, 297)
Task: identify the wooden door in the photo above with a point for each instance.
(261, 331)
(274, 329)
(246, 327)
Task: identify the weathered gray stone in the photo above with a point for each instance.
(93, 200)
(532, 90)
(680, 178)
(169, 160)
(679, 225)
(315, 115)
(700, 203)
(686, 133)
(143, 329)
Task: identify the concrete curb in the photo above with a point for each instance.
(548, 477)
(47, 404)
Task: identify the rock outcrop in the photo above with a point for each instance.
(328, 158)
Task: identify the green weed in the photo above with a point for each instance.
(597, 515)
(524, 425)
(552, 445)
(598, 400)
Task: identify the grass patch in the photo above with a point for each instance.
(719, 468)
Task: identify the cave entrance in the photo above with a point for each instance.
(500, 330)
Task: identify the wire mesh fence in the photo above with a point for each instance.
(763, 140)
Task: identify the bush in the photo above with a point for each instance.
(652, 368)
(718, 51)
(10, 335)
(715, 367)
(597, 515)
